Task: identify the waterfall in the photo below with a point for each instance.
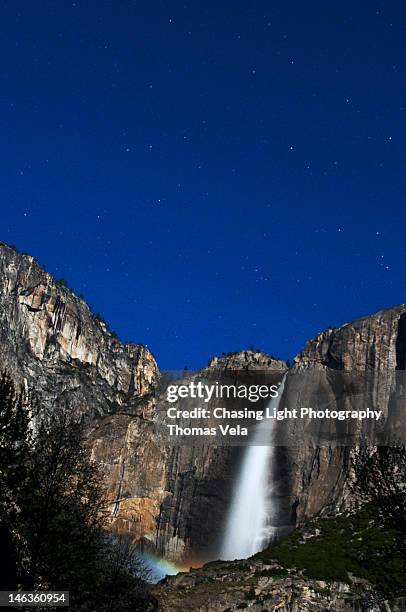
(248, 529)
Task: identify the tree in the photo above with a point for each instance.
(125, 574)
(14, 452)
(65, 526)
(53, 515)
(14, 445)
(380, 476)
(62, 511)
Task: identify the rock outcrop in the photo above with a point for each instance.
(257, 586)
(248, 360)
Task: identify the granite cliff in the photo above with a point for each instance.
(174, 499)
(53, 344)
(368, 353)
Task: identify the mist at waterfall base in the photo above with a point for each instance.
(159, 567)
(249, 528)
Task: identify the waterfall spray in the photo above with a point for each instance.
(248, 528)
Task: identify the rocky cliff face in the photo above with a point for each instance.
(53, 344)
(375, 342)
(174, 499)
(372, 351)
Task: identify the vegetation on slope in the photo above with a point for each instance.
(367, 544)
(346, 548)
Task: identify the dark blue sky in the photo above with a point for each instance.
(210, 175)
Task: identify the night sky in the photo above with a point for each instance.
(210, 175)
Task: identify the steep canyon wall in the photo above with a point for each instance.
(173, 499)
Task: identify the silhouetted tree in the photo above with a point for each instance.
(52, 516)
(123, 586)
(14, 453)
(62, 510)
(14, 445)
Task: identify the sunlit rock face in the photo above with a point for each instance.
(134, 462)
